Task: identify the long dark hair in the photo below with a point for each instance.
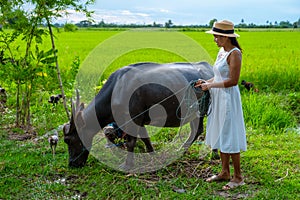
(234, 42)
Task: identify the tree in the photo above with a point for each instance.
(295, 25)
(168, 24)
(102, 23)
(84, 23)
(242, 24)
(28, 67)
(211, 22)
(285, 24)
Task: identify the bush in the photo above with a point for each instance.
(70, 28)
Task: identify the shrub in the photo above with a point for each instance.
(70, 28)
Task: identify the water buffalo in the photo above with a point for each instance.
(127, 98)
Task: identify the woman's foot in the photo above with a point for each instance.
(231, 185)
(217, 178)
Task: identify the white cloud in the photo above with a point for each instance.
(121, 16)
(71, 17)
(164, 10)
(192, 11)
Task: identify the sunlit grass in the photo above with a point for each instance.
(270, 166)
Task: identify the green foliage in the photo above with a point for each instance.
(211, 22)
(27, 68)
(13, 12)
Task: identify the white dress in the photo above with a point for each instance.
(225, 128)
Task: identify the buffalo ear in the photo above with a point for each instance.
(80, 122)
(66, 129)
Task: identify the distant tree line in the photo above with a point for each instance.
(269, 24)
(170, 24)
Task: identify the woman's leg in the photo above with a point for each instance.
(237, 177)
(225, 173)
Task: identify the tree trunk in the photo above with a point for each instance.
(28, 113)
(57, 68)
(18, 104)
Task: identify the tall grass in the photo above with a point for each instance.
(268, 112)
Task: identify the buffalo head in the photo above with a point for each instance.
(78, 153)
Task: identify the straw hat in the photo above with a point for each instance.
(224, 28)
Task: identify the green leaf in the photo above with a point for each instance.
(50, 52)
(49, 60)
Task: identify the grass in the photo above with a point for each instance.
(29, 171)
(270, 166)
(273, 162)
(269, 112)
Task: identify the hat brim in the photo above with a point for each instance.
(222, 34)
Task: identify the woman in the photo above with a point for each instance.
(225, 124)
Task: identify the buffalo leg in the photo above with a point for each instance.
(196, 129)
(145, 138)
(130, 144)
(148, 144)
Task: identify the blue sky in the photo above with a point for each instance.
(186, 12)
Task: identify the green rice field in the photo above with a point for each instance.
(270, 166)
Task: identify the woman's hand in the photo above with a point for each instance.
(199, 82)
(205, 86)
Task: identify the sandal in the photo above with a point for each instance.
(231, 185)
(216, 178)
